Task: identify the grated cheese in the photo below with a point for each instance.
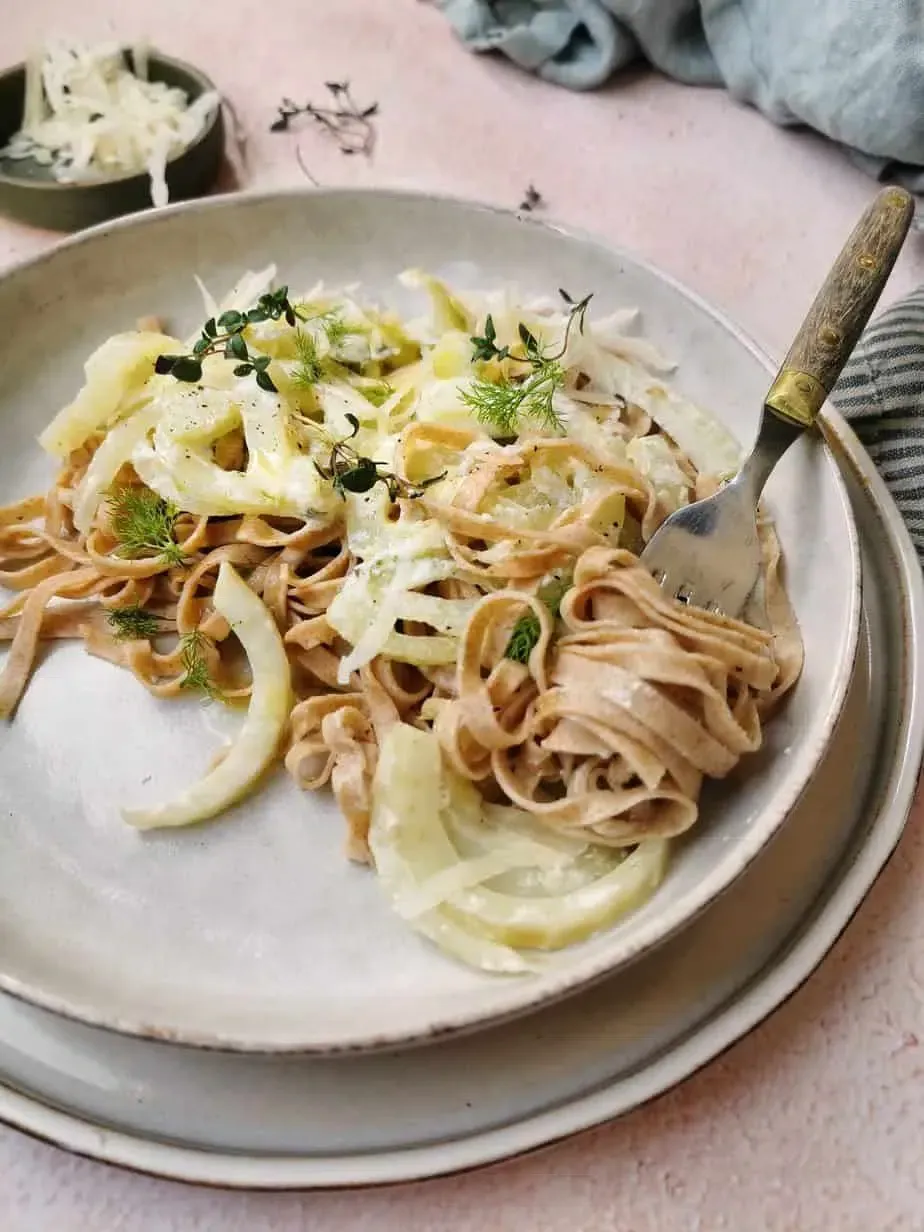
(87, 117)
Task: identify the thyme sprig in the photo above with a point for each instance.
(224, 335)
(503, 405)
(349, 471)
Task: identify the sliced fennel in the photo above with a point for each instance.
(115, 450)
(115, 374)
(707, 443)
(257, 743)
(378, 593)
(652, 457)
(617, 332)
(479, 890)
(178, 462)
(449, 312)
(406, 802)
(397, 559)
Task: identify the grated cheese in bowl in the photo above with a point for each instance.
(88, 117)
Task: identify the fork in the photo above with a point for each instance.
(708, 553)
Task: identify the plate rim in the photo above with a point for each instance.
(771, 986)
(571, 980)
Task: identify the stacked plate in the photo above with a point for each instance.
(237, 1005)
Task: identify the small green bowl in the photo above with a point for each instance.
(29, 192)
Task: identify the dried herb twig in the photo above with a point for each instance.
(303, 167)
(350, 125)
(532, 199)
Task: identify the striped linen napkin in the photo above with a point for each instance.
(881, 392)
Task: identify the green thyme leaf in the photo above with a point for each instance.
(236, 347)
(361, 477)
(485, 347)
(186, 368)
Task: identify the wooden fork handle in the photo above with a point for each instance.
(841, 309)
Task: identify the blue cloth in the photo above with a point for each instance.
(852, 69)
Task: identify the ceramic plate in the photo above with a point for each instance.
(254, 932)
(276, 1122)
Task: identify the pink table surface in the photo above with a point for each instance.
(816, 1120)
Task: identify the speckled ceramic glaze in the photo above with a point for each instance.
(254, 932)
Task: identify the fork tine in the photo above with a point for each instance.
(713, 570)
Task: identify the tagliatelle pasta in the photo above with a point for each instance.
(438, 521)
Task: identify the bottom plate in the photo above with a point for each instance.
(276, 1122)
